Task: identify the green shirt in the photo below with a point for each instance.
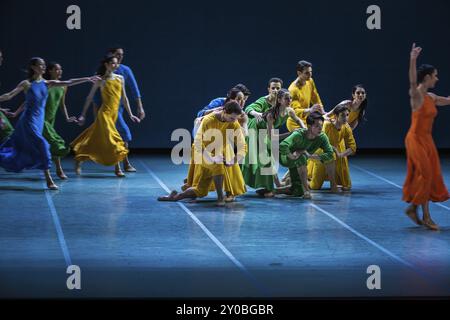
(298, 141)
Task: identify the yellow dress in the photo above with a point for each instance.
(302, 98)
(201, 173)
(353, 116)
(341, 139)
(101, 142)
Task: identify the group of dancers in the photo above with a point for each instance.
(314, 150)
(34, 142)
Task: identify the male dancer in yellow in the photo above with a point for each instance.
(216, 161)
(305, 98)
(341, 138)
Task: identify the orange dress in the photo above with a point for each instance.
(424, 180)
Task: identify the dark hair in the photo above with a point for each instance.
(302, 65)
(423, 71)
(232, 107)
(339, 109)
(232, 94)
(113, 49)
(313, 117)
(101, 70)
(275, 110)
(50, 66)
(363, 106)
(241, 87)
(277, 80)
(33, 61)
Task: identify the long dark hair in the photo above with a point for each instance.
(232, 94)
(275, 110)
(33, 61)
(101, 70)
(363, 106)
(50, 66)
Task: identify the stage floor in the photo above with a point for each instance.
(129, 245)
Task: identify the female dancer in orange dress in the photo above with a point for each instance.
(424, 180)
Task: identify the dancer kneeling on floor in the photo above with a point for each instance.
(216, 161)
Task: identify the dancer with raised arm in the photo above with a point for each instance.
(424, 181)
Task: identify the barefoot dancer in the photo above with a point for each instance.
(56, 99)
(221, 165)
(101, 142)
(341, 139)
(424, 181)
(273, 118)
(26, 148)
(131, 84)
(295, 151)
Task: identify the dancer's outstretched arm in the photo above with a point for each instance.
(126, 103)
(23, 86)
(416, 98)
(71, 82)
(88, 102)
(294, 117)
(440, 101)
(64, 108)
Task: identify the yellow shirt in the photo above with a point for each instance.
(302, 98)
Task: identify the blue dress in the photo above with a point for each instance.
(131, 83)
(26, 148)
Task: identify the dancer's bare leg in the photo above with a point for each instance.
(427, 221)
(411, 212)
(59, 170)
(126, 163)
(303, 173)
(118, 171)
(218, 183)
(331, 172)
(50, 184)
(175, 196)
(78, 167)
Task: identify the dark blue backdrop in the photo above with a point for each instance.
(186, 53)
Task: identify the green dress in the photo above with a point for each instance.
(6, 129)
(298, 141)
(58, 146)
(256, 161)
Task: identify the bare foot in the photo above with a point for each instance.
(430, 224)
(51, 185)
(170, 197)
(346, 189)
(269, 194)
(411, 212)
(185, 186)
(129, 168)
(307, 195)
(230, 199)
(119, 173)
(61, 175)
